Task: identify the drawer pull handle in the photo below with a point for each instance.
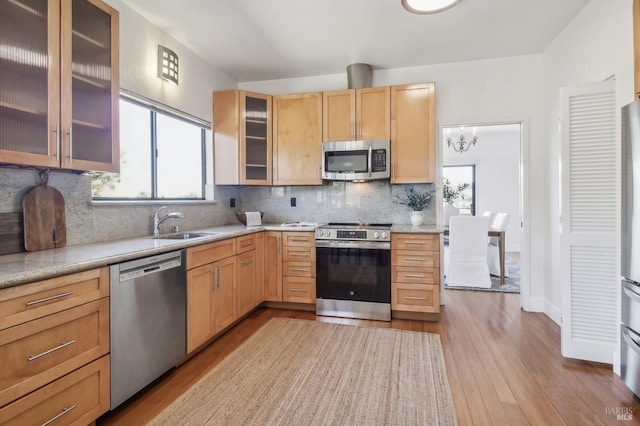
(415, 259)
(298, 254)
(246, 243)
(247, 262)
(297, 290)
(415, 276)
(415, 298)
(299, 239)
(57, 348)
(46, 299)
(299, 269)
(53, 419)
(416, 243)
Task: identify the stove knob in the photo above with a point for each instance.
(384, 235)
(376, 235)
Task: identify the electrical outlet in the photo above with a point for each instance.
(232, 202)
(293, 201)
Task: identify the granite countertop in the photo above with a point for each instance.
(22, 268)
(422, 229)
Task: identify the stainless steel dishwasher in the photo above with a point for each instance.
(148, 321)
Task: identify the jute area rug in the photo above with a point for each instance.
(300, 372)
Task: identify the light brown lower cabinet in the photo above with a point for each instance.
(224, 282)
(273, 266)
(246, 282)
(39, 351)
(415, 273)
(299, 267)
(54, 346)
(211, 304)
(75, 399)
(299, 289)
(290, 267)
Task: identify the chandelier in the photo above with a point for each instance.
(461, 144)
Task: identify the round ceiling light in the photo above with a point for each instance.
(425, 7)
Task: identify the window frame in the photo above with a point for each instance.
(473, 182)
(155, 108)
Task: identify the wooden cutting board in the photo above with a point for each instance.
(44, 217)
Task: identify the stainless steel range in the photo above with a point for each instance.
(353, 270)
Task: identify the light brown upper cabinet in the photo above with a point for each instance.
(59, 86)
(242, 138)
(297, 139)
(356, 114)
(413, 133)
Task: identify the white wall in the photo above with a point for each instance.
(486, 91)
(596, 45)
(139, 40)
(497, 159)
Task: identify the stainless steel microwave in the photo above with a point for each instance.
(356, 160)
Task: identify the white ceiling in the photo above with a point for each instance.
(254, 40)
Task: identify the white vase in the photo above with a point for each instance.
(417, 218)
(449, 210)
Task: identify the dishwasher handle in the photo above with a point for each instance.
(152, 266)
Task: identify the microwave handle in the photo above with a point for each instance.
(370, 161)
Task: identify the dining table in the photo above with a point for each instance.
(500, 235)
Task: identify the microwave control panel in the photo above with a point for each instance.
(379, 160)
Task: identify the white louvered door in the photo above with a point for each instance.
(589, 221)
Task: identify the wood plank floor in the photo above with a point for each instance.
(504, 367)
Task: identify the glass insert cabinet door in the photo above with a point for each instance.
(30, 82)
(59, 85)
(256, 137)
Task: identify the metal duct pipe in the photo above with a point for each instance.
(358, 76)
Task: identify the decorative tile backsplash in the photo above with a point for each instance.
(333, 202)
(89, 222)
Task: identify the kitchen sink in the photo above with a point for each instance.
(185, 235)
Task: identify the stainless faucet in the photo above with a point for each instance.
(157, 221)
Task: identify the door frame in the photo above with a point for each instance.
(524, 203)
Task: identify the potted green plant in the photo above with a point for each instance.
(417, 201)
(451, 194)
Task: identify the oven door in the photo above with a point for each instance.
(347, 270)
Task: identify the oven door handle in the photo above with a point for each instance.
(370, 245)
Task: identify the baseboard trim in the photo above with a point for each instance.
(553, 312)
(290, 305)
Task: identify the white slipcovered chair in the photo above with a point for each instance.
(491, 216)
(500, 223)
(467, 257)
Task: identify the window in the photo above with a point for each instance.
(459, 175)
(162, 155)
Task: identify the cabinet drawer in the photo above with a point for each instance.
(31, 301)
(406, 274)
(76, 399)
(418, 258)
(299, 289)
(299, 254)
(43, 350)
(299, 239)
(299, 269)
(415, 297)
(246, 243)
(430, 242)
(212, 252)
